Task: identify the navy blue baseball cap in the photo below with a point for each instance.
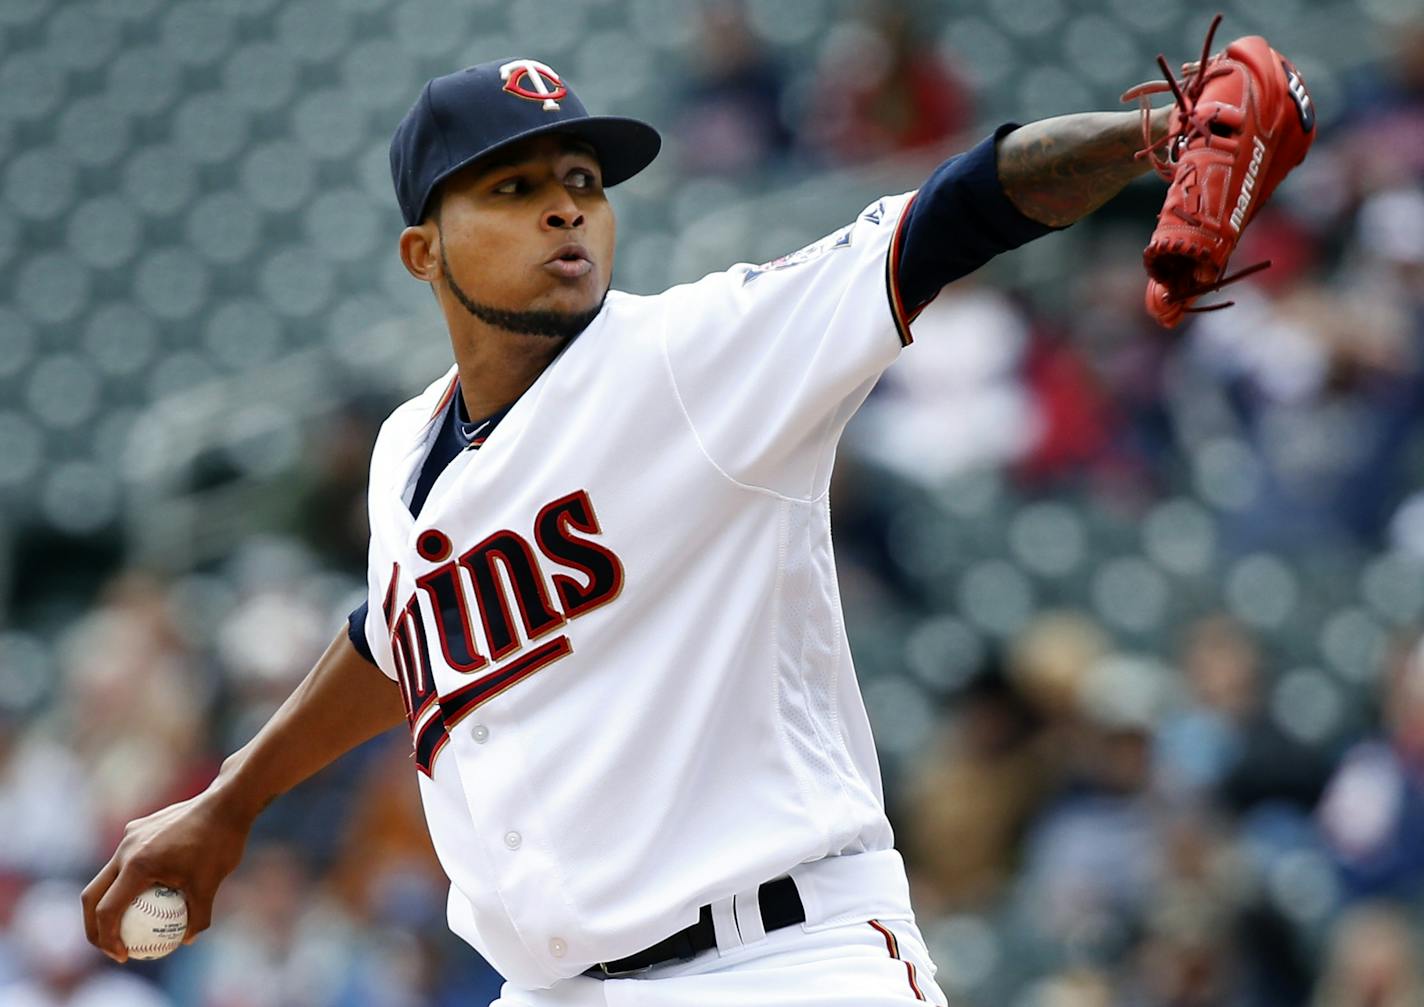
(465, 115)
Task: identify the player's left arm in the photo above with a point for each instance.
(1058, 170)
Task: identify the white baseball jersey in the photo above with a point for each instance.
(616, 625)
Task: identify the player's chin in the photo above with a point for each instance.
(574, 293)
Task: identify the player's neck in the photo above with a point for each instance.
(497, 366)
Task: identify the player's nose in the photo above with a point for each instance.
(560, 219)
(563, 214)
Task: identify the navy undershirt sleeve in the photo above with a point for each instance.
(959, 220)
(356, 630)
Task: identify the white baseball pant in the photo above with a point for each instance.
(872, 963)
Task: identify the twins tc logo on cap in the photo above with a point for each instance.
(547, 87)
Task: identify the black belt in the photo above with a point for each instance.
(780, 907)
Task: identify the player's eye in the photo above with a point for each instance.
(582, 178)
(509, 186)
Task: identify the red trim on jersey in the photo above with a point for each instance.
(440, 553)
(467, 632)
(446, 396)
(440, 744)
(554, 617)
(465, 700)
(494, 554)
(902, 317)
(388, 607)
(893, 946)
(424, 705)
(411, 654)
(574, 597)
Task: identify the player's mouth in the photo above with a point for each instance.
(569, 261)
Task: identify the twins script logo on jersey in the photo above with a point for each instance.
(496, 577)
(528, 78)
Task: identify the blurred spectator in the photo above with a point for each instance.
(1383, 128)
(1078, 987)
(276, 941)
(960, 404)
(1222, 744)
(1191, 953)
(387, 868)
(1094, 850)
(971, 797)
(729, 121)
(1098, 374)
(1198, 745)
(269, 631)
(1372, 814)
(61, 968)
(880, 89)
(1074, 422)
(133, 704)
(332, 506)
(1373, 961)
(267, 643)
(1325, 383)
(1188, 960)
(1051, 659)
(43, 836)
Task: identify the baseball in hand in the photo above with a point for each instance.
(154, 923)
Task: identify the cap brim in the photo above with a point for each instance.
(625, 146)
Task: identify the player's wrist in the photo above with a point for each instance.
(234, 795)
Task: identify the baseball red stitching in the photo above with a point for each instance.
(154, 909)
(143, 949)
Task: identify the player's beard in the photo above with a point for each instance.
(560, 325)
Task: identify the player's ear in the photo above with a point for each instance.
(420, 251)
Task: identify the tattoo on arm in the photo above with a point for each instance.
(1058, 170)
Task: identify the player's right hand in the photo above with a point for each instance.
(191, 846)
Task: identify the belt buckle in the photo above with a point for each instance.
(620, 973)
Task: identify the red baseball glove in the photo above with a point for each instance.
(1243, 119)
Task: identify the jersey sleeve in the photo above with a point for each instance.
(771, 361)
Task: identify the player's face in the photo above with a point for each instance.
(530, 229)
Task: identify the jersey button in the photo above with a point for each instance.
(512, 840)
(480, 733)
(557, 947)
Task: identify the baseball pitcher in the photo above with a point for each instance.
(602, 597)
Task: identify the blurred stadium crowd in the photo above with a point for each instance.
(1137, 614)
